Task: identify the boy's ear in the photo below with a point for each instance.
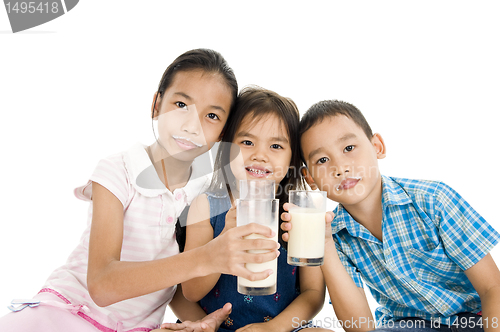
(379, 145)
(155, 106)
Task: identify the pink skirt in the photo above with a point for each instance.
(45, 318)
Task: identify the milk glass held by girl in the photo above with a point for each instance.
(126, 267)
(260, 142)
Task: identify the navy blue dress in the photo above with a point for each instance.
(247, 309)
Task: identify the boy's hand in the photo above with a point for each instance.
(328, 220)
(287, 225)
(209, 323)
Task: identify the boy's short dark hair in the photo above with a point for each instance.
(329, 108)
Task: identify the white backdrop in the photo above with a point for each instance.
(74, 90)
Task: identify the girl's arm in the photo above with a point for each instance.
(349, 301)
(110, 280)
(184, 309)
(307, 304)
(199, 232)
(485, 278)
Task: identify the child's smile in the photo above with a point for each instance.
(186, 143)
(258, 171)
(262, 150)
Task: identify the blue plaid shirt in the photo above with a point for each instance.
(430, 236)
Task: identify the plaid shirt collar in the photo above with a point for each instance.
(392, 194)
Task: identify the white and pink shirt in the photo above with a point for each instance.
(150, 214)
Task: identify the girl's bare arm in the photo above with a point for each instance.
(110, 280)
(199, 232)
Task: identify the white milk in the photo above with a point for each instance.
(271, 265)
(307, 236)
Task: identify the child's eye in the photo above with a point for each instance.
(246, 142)
(322, 160)
(276, 146)
(349, 148)
(213, 116)
(180, 104)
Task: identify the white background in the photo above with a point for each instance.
(74, 90)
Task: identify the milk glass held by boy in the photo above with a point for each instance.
(258, 205)
(306, 245)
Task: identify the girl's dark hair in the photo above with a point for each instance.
(209, 61)
(204, 59)
(255, 103)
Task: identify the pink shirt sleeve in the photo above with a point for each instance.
(111, 174)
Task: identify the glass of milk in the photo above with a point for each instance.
(306, 241)
(258, 205)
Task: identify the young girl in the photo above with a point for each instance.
(264, 127)
(126, 267)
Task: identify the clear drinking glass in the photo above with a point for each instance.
(306, 241)
(257, 205)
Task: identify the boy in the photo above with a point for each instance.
(419, 246)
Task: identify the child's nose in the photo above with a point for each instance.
(259, 154)
(340, 171)
(191, 122)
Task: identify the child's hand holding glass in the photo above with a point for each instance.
(286, 225)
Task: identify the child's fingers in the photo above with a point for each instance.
(285, 237)
(329, 216)
(261, 257)
(286, 226)
(285, 216)
(258, 244)
(228, 308)
(173, 326)
(216, 318)
(253, 276)
(288, 206)
(230, 218)
(254, 228)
